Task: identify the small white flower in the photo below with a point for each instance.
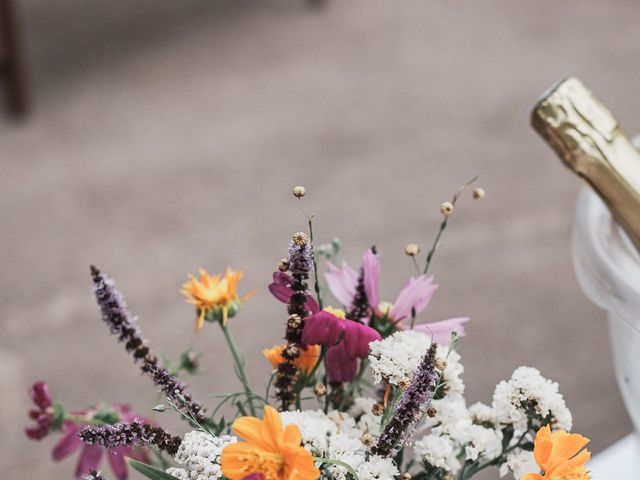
(527, 388)
(451, 376)
(482, 414)
(199, 454)
(377, 468)
(439, 451)
(519, 463)
(397, 357)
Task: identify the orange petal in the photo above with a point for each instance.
(249, 428)
(292, 435)
(271, 428)
(568, 445)
(233, 461)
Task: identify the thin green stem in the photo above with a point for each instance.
(316, 283)
(240, 370)
(83, 419)
(346, 466)
(443, 225)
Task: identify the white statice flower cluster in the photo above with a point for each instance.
(519, 463)
(459, 433)
(439, 451)
(199, 456)
(338, 436)
(528, 390)
(396, 358)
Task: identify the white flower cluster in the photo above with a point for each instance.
(459, 433)
(199, 454)
(528, 390)
(338, 436)
(519, 463)
(396, 358)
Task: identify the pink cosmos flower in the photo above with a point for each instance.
(91, 455)
(43, 412)
(415, 296)
(347, 341)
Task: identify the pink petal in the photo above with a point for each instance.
(341, 367)
(357, 338)
(279, 288)
(311, 305)
(68, 444)
(39, 394)
(89, 459)
(371, 268)
(322, 329)
(118, 463)
(254, 476)
(416, 294)
(441, 331)
(342, 282)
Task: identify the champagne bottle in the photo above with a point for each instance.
(591, 142)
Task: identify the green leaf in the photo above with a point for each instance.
(148, 471)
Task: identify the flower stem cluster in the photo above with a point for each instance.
(300, 264)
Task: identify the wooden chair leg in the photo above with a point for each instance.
(11, 61)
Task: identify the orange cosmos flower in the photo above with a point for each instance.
(269, 450)
(214, 294)
(560, 455)
(305, 362)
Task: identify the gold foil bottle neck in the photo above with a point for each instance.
(591, 142)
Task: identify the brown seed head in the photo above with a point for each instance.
(320, 390)
(377, 409)
(300, 239)
(446, 208)
(299, 191)
(478, 193)
(412, 250)
(283, 265)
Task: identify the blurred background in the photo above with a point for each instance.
(166, 136)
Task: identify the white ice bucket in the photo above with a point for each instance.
(608, 268)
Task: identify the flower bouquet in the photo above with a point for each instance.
(359, 390)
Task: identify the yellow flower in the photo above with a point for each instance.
(269, 449)
(214, 294)
(560, 455)
(305, 362)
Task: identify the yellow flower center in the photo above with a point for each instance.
(384, 308)
(269, 464)
(336, 312)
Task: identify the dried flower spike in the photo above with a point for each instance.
(412, 250)
(446, 208)
(299, 191)
(478, 193)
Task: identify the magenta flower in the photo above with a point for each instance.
(347, 341)
(281, 289)
(91, 455)
(414, 297)
(43, 413)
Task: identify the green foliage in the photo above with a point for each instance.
(148, 471)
